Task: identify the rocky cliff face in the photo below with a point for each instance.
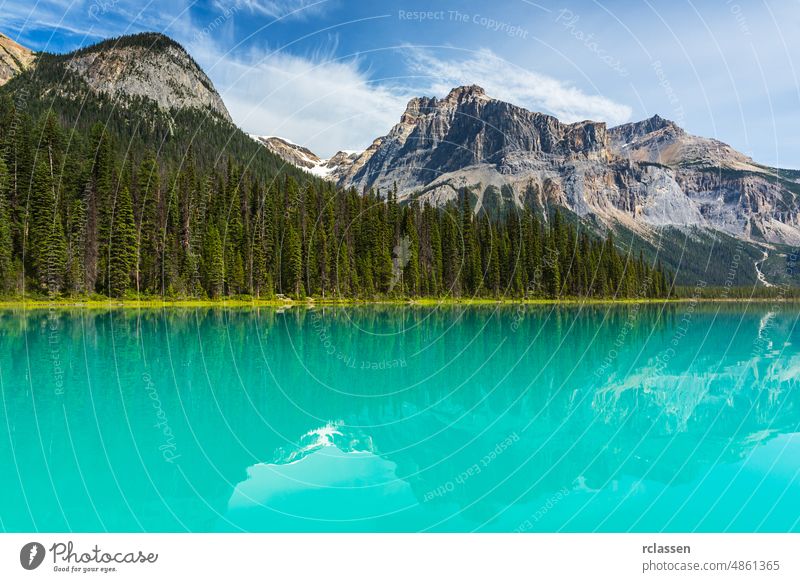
(150, 66)
(468, 129)
(14, 58)
(339, 164)
(658, 140)
(709, 184)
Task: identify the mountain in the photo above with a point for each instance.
(148, 93)
(467, 129)
(650, 181)
(639, 175)
(294, 154)
(14, 58)
(332, 169)
(147, 66)
(112, 112)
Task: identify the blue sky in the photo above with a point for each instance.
(335, 74)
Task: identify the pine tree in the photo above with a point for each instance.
(325, 265)
(100, 203)
(6, 248)
(47, 248)
(435, 237)
(494, 275)
(170, 244)
(123, 251)
(613, 265)
(147, 218)
(517, 265)
(471, 251)
(343, 284)
(56, 257)
(259, 269)
(293, 257)
(382, 241)
(410, 239)
(450, 252)
(214, 263)
(77, 232)
(551, 259)
(270, 232)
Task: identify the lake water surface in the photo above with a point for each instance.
(627, 418)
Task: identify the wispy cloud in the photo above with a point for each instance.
(504, 80)
(287, 9)
(323, 103)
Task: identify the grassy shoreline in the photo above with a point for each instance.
(94, 303)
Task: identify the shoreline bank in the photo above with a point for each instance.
(35, 304)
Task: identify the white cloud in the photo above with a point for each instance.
(324, 104)
(504, 80)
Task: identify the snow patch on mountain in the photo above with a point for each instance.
(328, 169)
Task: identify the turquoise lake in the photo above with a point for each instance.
(539, 419)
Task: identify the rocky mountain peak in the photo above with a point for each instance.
(657, 122)
(458, 96)
(467, 128)
(629, 132)
(418, 107)
(147, 65)
(661, 141)
(465, 93)
(14, 58)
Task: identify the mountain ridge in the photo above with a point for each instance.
(643, 175)
(147, 65)
(649, 180)
(300, 156)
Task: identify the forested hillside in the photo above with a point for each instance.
(78, 217)
(113, 195)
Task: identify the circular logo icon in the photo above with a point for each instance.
(31, 555)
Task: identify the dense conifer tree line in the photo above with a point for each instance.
(82, 214)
